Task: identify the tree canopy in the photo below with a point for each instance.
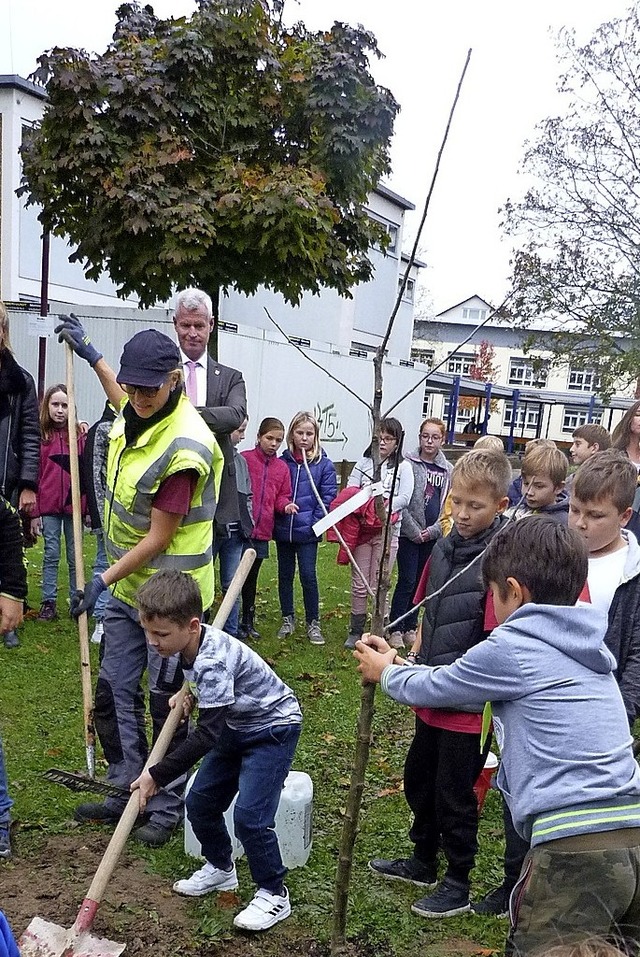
(577, 266)
(222, 149)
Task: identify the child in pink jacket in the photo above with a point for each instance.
(52, 513)
(271, 493)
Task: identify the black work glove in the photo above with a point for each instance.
(86, 600)
(72, 331)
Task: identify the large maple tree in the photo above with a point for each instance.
(222, 149)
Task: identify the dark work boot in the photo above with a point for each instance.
(355, 630)
(248, 619)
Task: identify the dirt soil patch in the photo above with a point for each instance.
(51, 879)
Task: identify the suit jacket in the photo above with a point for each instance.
(225, 410)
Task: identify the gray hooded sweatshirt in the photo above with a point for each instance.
(567, 766)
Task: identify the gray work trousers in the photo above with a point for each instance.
(120, 707)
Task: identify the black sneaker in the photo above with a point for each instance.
(96, 814)
(153, 835)
(495, 903)
(451, 898)
(406, 869)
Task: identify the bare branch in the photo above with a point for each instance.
(425, 211)
(317, 364)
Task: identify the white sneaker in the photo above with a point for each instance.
(396, 639)
(98, 632)
(206, 880)
(264, 911)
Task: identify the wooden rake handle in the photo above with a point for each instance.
(83, 623)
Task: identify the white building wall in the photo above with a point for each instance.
(280, 381)
(20, 230)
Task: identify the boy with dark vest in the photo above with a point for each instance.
(445, 757)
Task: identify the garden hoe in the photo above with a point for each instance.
(45, 939)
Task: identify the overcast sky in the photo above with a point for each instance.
(509, 87)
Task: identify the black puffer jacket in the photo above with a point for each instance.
(623, 631)
(454, 621)
(19, 429)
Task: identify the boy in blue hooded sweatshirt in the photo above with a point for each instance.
(567, 772)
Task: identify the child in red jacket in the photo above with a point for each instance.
(53, 511)
(271, 493)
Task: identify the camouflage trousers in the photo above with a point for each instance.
(575, 888)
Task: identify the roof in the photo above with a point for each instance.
(15, 82)
(389, 194)
(443, 382)
(462, 302)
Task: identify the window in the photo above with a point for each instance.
(573, 418)
(393, 238)
(393, 232)
(475, 315)
(583, 380)
(423, 355)
(527, 416)
(522, 372)
(409, 289)
(461, 363)
(427, 403)
(462, 415)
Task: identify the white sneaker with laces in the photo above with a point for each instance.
(206, 880)
(264, 911)
(98, 632)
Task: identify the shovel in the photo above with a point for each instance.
(45, 939)
(83, 624)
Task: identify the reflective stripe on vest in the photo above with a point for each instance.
(178, 443)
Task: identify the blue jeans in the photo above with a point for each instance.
(52, 527)
(306, 553)
(5, 801)
(412, 557)
(100, 565)
(229, 550)
(254, 765)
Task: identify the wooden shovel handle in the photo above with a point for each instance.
(83, 624)
(130, 813)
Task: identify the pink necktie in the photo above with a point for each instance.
(192, 384)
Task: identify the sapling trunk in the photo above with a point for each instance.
(365, 715)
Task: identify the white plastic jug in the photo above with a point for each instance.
(293, 822)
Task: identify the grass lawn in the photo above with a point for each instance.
(41, 723)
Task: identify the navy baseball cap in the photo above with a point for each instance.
(147, 359)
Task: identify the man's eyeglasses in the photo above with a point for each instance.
(147, 391)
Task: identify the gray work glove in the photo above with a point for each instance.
(71, 330)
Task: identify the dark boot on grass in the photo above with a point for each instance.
(355, 630)
(246, 628)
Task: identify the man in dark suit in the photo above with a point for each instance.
(219, 394)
